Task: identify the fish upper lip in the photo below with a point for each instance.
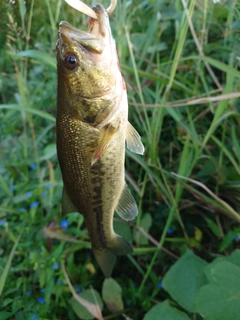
(85, 40)
(97, 29)
(74, 33)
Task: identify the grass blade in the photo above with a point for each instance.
(40, 56)
(8, 265)
(18, 107)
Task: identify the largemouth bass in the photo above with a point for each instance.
(92, 127)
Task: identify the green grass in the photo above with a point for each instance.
(180, 61)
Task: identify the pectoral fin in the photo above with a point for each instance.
(127, 207)
(133, 140)
(105, 137)
(67, 205)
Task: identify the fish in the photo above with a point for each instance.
(92, 129)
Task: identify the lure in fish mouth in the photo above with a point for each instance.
(82, 7)
(92, 128)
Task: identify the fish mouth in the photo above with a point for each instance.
(94, 40)
(84, 40)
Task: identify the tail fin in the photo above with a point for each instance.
(106, 257)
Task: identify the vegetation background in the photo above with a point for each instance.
(180, 60)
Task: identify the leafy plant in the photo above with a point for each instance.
(208, 289)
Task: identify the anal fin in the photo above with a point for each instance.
(127, 207)
(106, 257)
(67, 205)
(133, 140)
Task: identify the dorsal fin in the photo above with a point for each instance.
(133, 140)
(127, 207)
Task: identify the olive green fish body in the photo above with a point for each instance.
(92, 128)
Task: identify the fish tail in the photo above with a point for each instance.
(106, 257)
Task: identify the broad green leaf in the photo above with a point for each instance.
(6, 302)
(234, 258)
(49, 151)
(123, 229)
(184, 279)
(90, 295)
(112, 295)
(145, 224)
(165, 311)
(5, 315)
(220, 299)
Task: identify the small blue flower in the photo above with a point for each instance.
(33, 204)
(48, 185)
(44, 193)
(79, 289)
(55, 266)
(59, 281)
(43, 290)
(128, 303)
(2, 222)
(41, 300)
(64, 224)
(35, 317)
(21, 209)
(159, 285)
(170, 231)
(33, 166)
(236, 237)
(28, 292)
(28, 194)
(12, 187)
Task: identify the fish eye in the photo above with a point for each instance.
(70, 60)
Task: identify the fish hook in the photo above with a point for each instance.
(112, 7)
(82, 7)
